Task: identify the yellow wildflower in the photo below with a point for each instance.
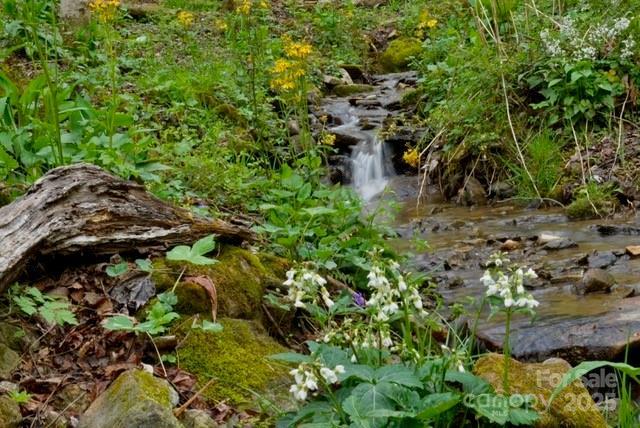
(263, 4)
(425, 21)
(185, 18)
(245, 7)
(411, 158)
(281, 66)
(105, 10)
(298, 50)
(328, 139)
(220, 25)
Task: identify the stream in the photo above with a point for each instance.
(568, 325)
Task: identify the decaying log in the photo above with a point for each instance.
(82, 209)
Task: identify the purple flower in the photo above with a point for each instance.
(358, 299)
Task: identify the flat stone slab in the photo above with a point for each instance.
(601, 336)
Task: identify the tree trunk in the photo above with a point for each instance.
(81, 209)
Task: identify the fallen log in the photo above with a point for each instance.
(82, 209)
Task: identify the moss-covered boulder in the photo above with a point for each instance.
(10, 416)
(136, 399)
(240, 278)
(572, 408)
(399, 54)
(237, 358)
(9, 361)
(347, 90)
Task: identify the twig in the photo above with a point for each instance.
(180, 410)
(158, 353)
(424, 176)
(52, 423)
(274, 322)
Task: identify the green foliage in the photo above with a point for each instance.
(20, 397)
(53, 310)
(398, 395)
(196, 253)
(575, 91)
(593, 200)
(159, 317)
(544, 163)
(306, 220)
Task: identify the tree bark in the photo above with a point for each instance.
(81, 209)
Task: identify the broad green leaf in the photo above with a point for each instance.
(319, 211)
(399, 374)
(435, 404)
(204, 245)
(119, 323)
(144, 265)
(117, 270)
(583, 368)
(212, 327)
(367, 397)
(471, 384)
(291, 357)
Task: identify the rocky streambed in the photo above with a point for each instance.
(589, 271)
(589, 274)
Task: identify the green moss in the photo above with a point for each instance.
(140, 384)
(237, 358)
(346, 90)
(593, 201)
(573, 407)
(399, 54)
(240, 278)
(10, 416)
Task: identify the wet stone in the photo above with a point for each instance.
(559, 244)
(595, 281)
(602, 259)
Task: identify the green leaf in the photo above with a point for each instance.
(368, 397)
(471, 384)
(291, 357)
(117, 270)
(195, 254)
(319, 211)
(399, 374)
(583, 368)
(119, 323)
(204, 245)
(435, 404)
(212, 327)
(144, 265)
(26, 305)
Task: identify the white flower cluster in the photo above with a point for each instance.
(508, 287)
(388, 296)
(306, 285)
(602, 39)
(359, 334)
(306, 378)
(456, 357)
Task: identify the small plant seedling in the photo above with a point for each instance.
(196, 253)
(54, 310)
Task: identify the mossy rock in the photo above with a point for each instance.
(399, 54)
(572, 408)
(347, 90)
(10, 416)
(9, 361)
(237, 358)
(583, 208)
(136, 399)
(240, 278)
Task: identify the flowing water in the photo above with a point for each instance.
(594, 326)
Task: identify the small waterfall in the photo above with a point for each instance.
(370, 167)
